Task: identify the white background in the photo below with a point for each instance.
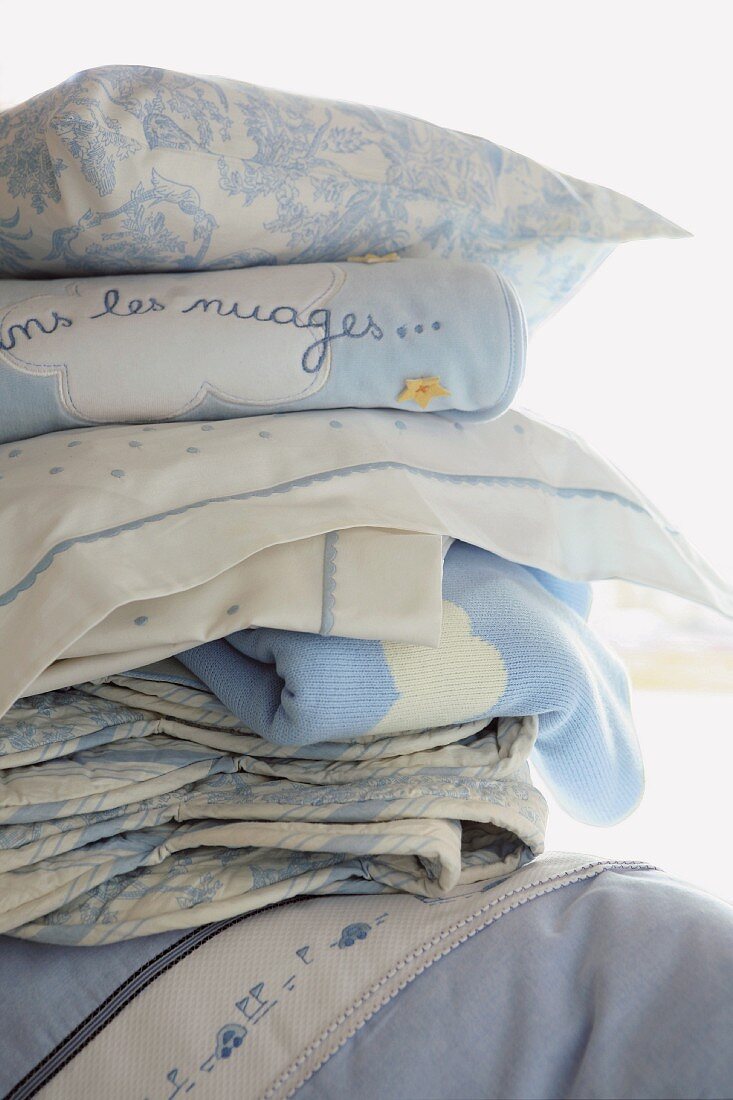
(636, 96)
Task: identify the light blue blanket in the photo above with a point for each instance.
(514, 643)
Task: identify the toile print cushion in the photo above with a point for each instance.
(420, 335)
(129, 168)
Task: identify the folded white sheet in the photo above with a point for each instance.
(364, 582)
(94, 522)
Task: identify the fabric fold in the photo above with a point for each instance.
(115, 517)
(148, 829)
(363, 581)
(511, 644)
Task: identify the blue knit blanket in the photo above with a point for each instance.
(514, 643)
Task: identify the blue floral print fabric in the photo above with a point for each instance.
(130, 168)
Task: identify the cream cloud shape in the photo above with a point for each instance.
(150, 347)
(464, 677)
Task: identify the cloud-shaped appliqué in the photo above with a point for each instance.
(431, 694)
(150, 347)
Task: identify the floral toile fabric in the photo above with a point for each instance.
(132, 169)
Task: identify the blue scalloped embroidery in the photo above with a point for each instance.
(330, 550)
(487, 480)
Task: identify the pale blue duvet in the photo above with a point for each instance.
(615, 987)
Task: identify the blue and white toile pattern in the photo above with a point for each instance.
(142, 805)
(128, 168)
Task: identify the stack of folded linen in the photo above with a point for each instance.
(290, 596)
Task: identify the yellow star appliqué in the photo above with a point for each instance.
(423, 390)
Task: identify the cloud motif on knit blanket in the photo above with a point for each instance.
(460, 680)
(152, 347)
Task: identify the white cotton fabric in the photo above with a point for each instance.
(98, 523)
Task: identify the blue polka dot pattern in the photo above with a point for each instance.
(436, 325)
(56, 470)
(117, 473)
(335, 423)
(418, 329)
(141, 620)
(457, 426)
(401, 425)
(265, 435)
(193, 450)
(233, 609)
(402, 332)
(519, 429)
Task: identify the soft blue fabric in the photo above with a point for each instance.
(617, 987)
(226, 344)
(512, 645)
(48, 992)
(129, 168)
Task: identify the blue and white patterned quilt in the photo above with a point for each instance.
(141, 805)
